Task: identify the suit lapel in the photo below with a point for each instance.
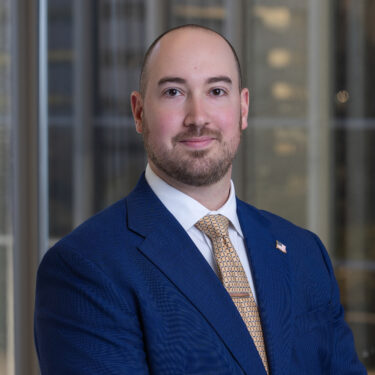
(169, 248)
(270, 271)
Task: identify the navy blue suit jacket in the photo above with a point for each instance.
(128, 292)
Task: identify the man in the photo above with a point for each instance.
(180, 277)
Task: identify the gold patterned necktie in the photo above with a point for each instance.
(234, 278)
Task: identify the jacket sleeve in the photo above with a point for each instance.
(344, 360)
(82, 323)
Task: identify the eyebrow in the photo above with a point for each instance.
(180, 80)
(225, 79)
(171, 80)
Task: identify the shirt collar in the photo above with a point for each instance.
(186, 209)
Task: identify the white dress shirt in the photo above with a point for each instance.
(188, 211)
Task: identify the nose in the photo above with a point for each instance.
(196, 114)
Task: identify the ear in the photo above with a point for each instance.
(137, 109)
(245, 101)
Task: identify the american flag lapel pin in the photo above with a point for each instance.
(280, 246)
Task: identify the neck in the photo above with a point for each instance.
(212, 196)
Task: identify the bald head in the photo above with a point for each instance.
(147, 61)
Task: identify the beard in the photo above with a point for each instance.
(193, 167)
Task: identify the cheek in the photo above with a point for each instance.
(162, 125)
(228, 120)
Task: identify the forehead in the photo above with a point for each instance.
(192, 53)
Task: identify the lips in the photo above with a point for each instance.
(197, 142)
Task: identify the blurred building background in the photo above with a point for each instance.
(68, 146)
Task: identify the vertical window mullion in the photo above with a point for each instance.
(26, 169)
(318, 181)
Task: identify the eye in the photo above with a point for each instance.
(218, 92)
(172, 92)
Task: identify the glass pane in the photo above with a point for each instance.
(60, 115)
(354, 160)
(208, 13)
(6, 293)
(276, 171)
(279, 157)
(119, 45)
(95, 155)
(277, 58)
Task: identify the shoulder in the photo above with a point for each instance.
(103, 226)
(303, 246)
(309, 263)
(102, 251)
(101, 237)
(275, 223)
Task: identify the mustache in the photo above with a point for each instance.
(197, 132)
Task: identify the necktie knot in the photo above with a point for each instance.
(213, 225)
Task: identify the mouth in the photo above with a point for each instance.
(197, 142)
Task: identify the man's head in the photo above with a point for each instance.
(143, 76)
(191, 110)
